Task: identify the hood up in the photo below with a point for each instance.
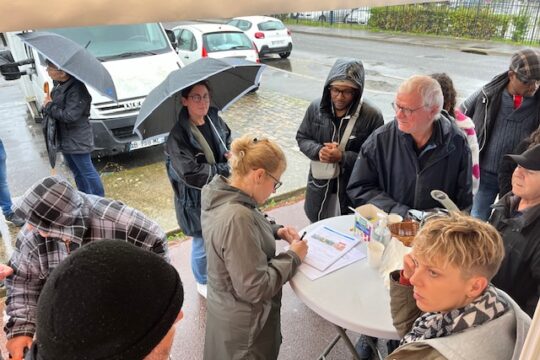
(344, 69)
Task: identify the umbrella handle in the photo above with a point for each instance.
(53, 171)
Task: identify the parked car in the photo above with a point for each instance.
(358, 16)
(311, 15)
(196, 41)
(268, 33)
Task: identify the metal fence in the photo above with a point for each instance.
(513, 20)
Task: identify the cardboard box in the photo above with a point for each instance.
(366, 217)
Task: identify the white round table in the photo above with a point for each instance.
(353, 297)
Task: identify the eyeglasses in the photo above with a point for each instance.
(198, 98)
(404, 110)
(277, 183)
(52, 68)
(345, 92)
(525, 81)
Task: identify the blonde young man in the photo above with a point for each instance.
(442, 302)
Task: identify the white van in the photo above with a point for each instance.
(137, 56)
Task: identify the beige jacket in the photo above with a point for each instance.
(499, 339)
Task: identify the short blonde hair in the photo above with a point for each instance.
(251, 153)
(472, 245)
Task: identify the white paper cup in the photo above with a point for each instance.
(394, 218)
(374, 253)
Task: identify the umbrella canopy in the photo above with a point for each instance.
(229, 79)
(72, 58)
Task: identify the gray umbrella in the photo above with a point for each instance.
(229, 79)
(72, 58)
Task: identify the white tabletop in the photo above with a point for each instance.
(353, 297)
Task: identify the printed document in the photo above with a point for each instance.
(357, 253)
(326, 246)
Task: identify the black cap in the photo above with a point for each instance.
(529, 160)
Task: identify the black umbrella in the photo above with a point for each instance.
(51, 138)
(72, 58)
(229, 79)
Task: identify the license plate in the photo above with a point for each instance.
(139, 144)
(278, 42)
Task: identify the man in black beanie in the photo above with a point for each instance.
(109, 301)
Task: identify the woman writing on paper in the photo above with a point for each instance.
(245, 275)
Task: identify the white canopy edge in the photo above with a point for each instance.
(38, 14)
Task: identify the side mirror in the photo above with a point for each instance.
(172, 38)
(9, 68)
(11, 71)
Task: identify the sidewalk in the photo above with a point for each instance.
(467, 45)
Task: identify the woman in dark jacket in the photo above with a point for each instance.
(196, 150)
(69, 104)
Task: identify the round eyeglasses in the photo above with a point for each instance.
(198, 98)
(405, 111)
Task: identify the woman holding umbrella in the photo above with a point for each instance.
(69, 107)
(196, 150)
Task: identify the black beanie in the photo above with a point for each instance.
(109, 300)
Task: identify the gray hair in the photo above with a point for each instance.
(425, 86)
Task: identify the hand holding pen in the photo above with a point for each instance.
(300, 247)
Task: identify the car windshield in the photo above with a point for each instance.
(271, 25)
(225, 41)
(118, 41)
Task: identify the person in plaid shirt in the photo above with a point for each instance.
(59, 220)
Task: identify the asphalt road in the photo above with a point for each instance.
(386, 65)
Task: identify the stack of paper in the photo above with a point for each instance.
(326, 246)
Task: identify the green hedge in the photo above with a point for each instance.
(478, 22)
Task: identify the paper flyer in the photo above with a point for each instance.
(326, 246)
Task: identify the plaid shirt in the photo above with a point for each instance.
(35, 256)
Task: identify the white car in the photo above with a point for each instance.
(268, 33)
(358, 16)
(196, 41)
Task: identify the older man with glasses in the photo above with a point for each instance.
(331, 134)
(421, 150)
(505, 111)
(404, 160)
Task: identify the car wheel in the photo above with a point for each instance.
(322, 18)
(285, 55)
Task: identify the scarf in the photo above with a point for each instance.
(483, 309)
